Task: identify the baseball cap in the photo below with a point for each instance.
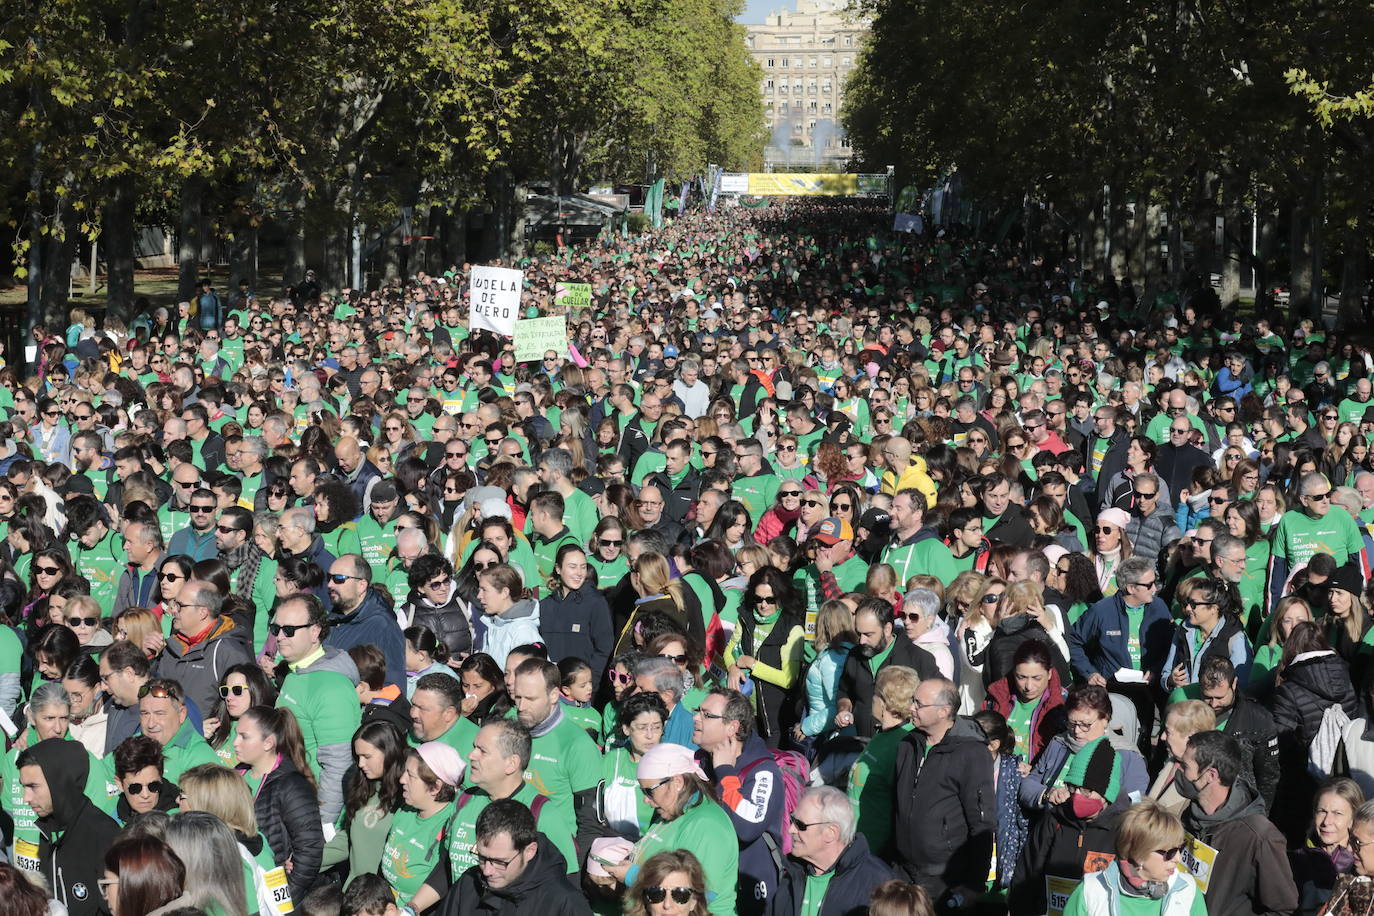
(670, 352)
(384, 491)
(833, 530)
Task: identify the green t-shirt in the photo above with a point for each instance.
(563, 762)
(462, 834)
(326, 706)
(814, 894)
(871, 782)
(1020, 723)
(1135, 616)
(929, 557)
(412, 849)
(1130, 906)
(1299, 537)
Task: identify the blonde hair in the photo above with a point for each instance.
(1277, 615)
(656, 578)
(1022, 596)
(930, 583)
(974, 614)
(896, 687)
(966, 586)
(753, 553)
(881, 581)
(83, 603)
(137, 622)
(834, 621)
(1191, 717)
(222, 792)
(1146, 826)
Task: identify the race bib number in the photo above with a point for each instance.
(26, 856)
(278, 892)
(1057, 892)
(1197, 860)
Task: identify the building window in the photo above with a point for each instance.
(849, 41)
(825, 86)
(770, 61)
(845, 62)
(827, 61)
(796, 105)
(768, 84)
(813, 63)
(797, 88)
(782, 88)
(797, 62)
(827, 108)
(811, 87)
(784, 62)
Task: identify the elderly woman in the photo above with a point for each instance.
(1088, 714)
(1353, 894)
(1183, 720)
(687, 816)
(1144, 879)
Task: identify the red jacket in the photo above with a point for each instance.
(1043, 725)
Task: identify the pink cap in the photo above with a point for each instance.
(443, 761)
(664, 760)
(1054, 553)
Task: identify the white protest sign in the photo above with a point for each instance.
(494, 299)
(536, 336)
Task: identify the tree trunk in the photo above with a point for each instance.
(293, 272)
(190, 242)
(1176, 262)
(117, 236)
(455, 239)
(1300, 281)
(243, 247)
(59, 247)
(1353, 276)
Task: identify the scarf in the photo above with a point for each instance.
(244, 559)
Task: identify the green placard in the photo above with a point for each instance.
(571, 296)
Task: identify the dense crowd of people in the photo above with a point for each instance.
(825, 571)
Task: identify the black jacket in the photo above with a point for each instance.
(946, 810)
(1007, 637)
(577, 624)
(449, 621)
(857, 681)
(543, 889)
(1063, 845)
(1311, 684)
(678, 500)
(288, 812)
(1175, 466)
(1251, 875)
(74, 837)
(852, 881)
(1012, 528)
(1253, 726)
(1113, 463)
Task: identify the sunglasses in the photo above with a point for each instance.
(811, 502)
(158, 692)
(649, 793)
(153, 787)
(236, 690)
(764, 599)
(618, 678)
(1106, 529)
(605, 543)
(790, 494)
(657, 894)
(442, 582)
(201, 510)
(83, 621)
(47, 570)
(226, 529)
(675, 659)
(992, 598)
(285, 629)
(1171, 853)
(340, 578)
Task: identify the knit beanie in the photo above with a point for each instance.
(1098, 767)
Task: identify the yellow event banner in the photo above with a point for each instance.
(803, 184)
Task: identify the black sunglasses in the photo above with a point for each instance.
(286, 629)
(657, 894)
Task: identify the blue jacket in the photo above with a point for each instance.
(187, 542)
(752, 793)
(1228, 640)
(822, 689)
(1135, 779)
(372, 622)
(1098, 641)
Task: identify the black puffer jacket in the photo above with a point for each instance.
(1253, 726)
(1012, 528)
(1311, 684)
(852, 881)
(448, 621)
(1007, 637)
(288, 812)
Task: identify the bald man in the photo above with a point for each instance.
(359, 473)
(905, 470)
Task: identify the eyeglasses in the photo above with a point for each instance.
(237, 690)
(83, 622)
(498, 864)
(341, 578)
(286, 629)
(443, 581)
(105, 884)
(650, 790)
(709, 715)
(47, 570)
(657, 894)
(1078, 725)
(648, 728)
(803, 826)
